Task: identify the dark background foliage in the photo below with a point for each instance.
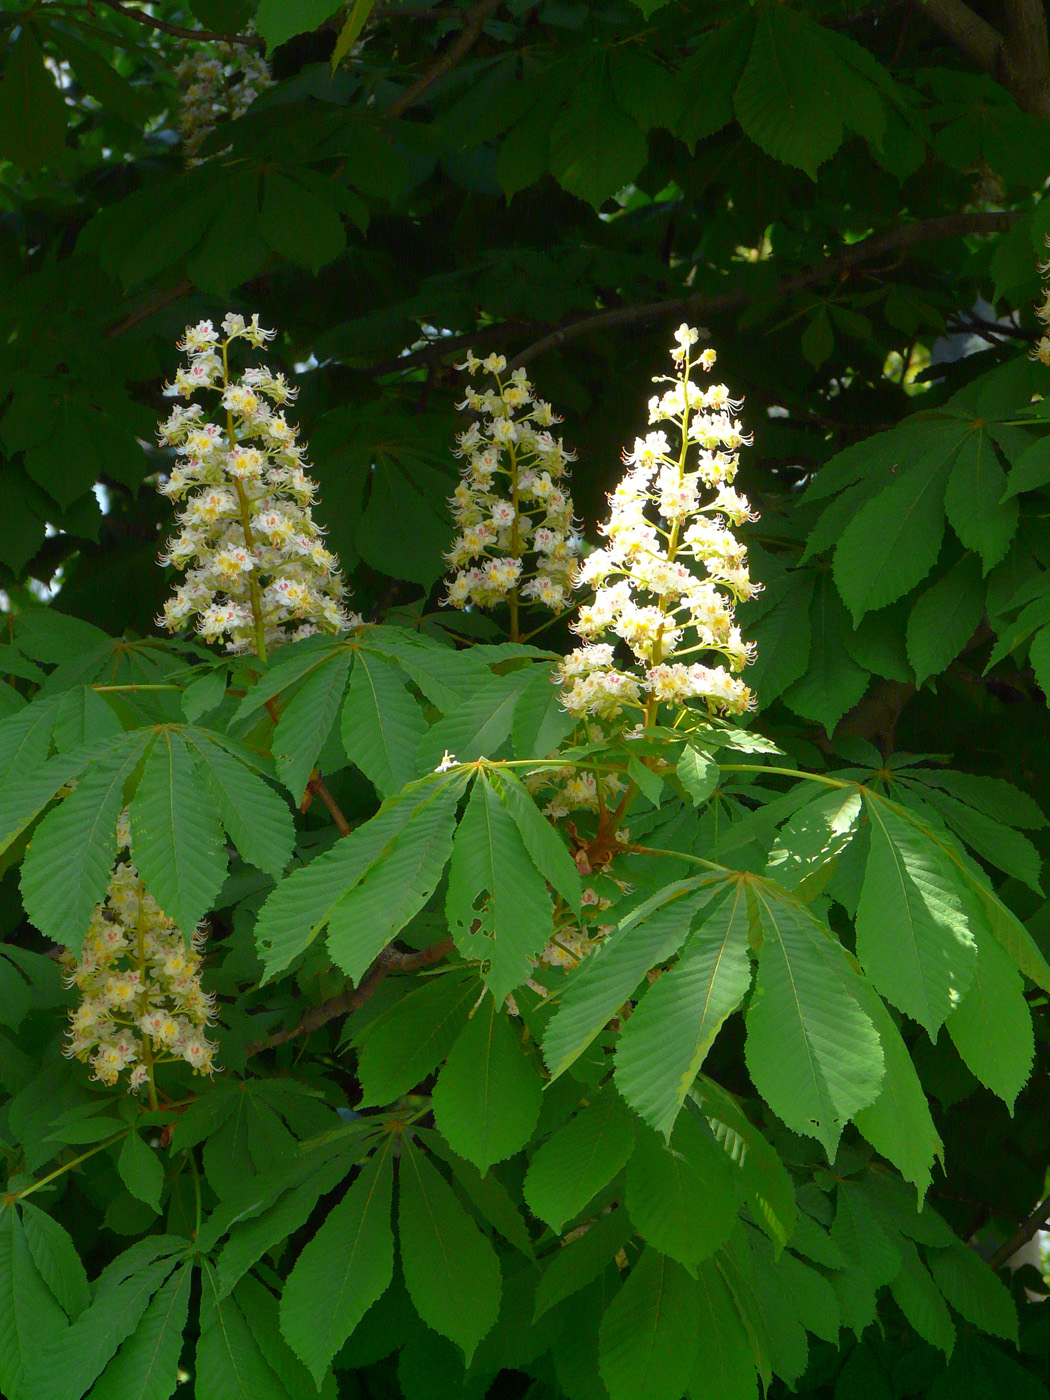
(848, 197)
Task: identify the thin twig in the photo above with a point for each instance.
(156, 302)
(200, 36)
(468, 36)
(318, 786)
(1028, 1227)
(877, 245)
(389, 960)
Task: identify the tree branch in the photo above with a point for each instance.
(389, 960)
(895, 240)
(152, 304)
(1025, 58)
(1028, 1227)
(966, 29)
(469, 35)
(1019, 60)
(200, 36)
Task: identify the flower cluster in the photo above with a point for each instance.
(141, 995)
(571, 943)
(512, 501)
(216, 82)
(258, 572)
(1041, 349)
(647, 594)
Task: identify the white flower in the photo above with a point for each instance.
(449, 760)
(261, 570)
(515, 540)
(658, 532)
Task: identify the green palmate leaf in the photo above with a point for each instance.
(262, 1214)
(260, 1308)
(892, 541)
(445, 676)
(381, 724)
(912, 937)
(870, 1249)
(493, 883)
(764, 1179)
(1032, 469)
(179, 849)
(783, 635)
(898, 1124)
(279, 20)
(410, 1039)
(451, 1271)
(992, 1026)
(574, 1265)
(25, 790)
(205, 693)
(648, 1335)
(707, 80)
(83, 717)
(809, 841)
(25, 737)
(298, 223)
(1013, 936)
(306, 720)
(698, 774)
(996, 842)
(666, 1039)
(68, 1363)
(812, 1296)
(80, 837)
(724, 1363)
(579, 1159)
(784, 100)
(919, 1299)
(606, 979)
(780, 1327)
(945, 618)
(812, 1052)
(974, 1291)
(343, 1270)
(596, 148)
(231, 1362)
(32, 111)
(287, 668)
(141, 1170)
(974, 502)
(56, 1260)
(147, 1365)
(544, 845)
(396, 886)
(302, 904)
(833, 682)
(683, 1198)
(31, 1318)
(994, 797)
(488, 1095)
(477, 725)
(257, 821)
(540, 721)
(486, 1194)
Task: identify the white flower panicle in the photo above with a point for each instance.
(258, 572)
(216, 81)
(514, 515)
(141, 997)
(667, 581)
(1041, 349)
